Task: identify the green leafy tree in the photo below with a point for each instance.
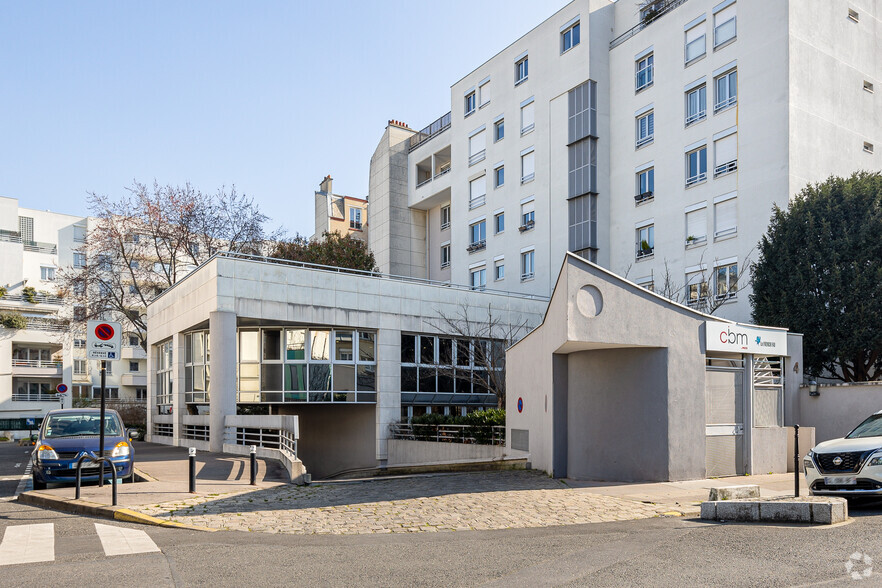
(820, 273)
(333, 249)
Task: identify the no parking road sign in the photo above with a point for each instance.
(102, 340)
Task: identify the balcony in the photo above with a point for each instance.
(477, 246)
(725, 168)
(133, 352)
(138, 380)
(33, 246)
(650, 11)
(431, 183)
(645, 252)
(35, 299)
(643, 197)
(45, 368)
(434, 129)
(35, 398)
(527, 226)
(46, 324)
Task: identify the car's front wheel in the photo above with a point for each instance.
(38, 484)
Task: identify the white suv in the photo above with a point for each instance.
(851, 466)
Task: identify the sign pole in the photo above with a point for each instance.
(101, 425)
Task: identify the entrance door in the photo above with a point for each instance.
(724, 406)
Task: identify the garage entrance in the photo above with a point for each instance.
(724, 406)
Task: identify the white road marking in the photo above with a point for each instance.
(23, 481)
(28, 544)
(120, 541)
(18, 465)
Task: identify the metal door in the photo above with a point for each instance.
(724, 409)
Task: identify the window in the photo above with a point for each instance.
(445, 255)
(79, 260)
(469, 103)
(527, 265)
(454, 366)
(853, 15)
(104, 289)
(109, 392)
(696, 224)
(645, 185)
(80, 367)
(582, 141)
(499, 269)
(726, 155)
(445, 217)
(695, 45)
(528, 166)
(79, 313)
(161, 268)
(79, 235)
(26, 228)
(499, 130)
(582, 225)
(134, 341)
(478, 234)
(645, 240)
(696, 288)
(696, 105)
(134, 265)
(134, 366)
(477, 192)
(478, 278)
(725, 216)
(528, 215)
(645, 128)
(79, 343)
(164, 380)
(528, 117)
(727, 281)
(355, 218)
(696, 166)
(868, 86)
(644, 72)
(499, 176)
(47, 274)
(726, 88)
(521, 70)
(104, 262)
(569, 38)
(868, 148)
(724, 25)
(477, 147)
(498, 222)
(484, 93)
(140, 393)
(108, 367)
(647, 283)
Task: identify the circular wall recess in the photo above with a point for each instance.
(590, 301)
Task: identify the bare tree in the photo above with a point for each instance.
(148, 239)
(490, 336)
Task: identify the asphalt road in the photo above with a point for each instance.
(13, 461)
(651, 552)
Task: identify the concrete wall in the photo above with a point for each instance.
(403, 452)
(838, 409)
(770, 450)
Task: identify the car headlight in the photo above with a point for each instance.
(121, 450)
(876, 459)
(46, 452)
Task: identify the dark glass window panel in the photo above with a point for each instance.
(271, 377)
(344, 377)
(295, 396)
(367, 378)
(427, 349)
(463, 354)
(188, 378)
(189, 350)
(367, 397)
(408, 349)
(462, 382)
(198, 379)
(497, 354)
(408, 379)
(344, 396)
(319, 396)
(445, 382)
(366, 346)
(319, 377)
(343, 346)
(445, 351)
(428, 384)
(295, 376)
(296, 344)
(480, 382)
(270, 396)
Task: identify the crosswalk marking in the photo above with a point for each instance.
(121, 541)
(28, 544)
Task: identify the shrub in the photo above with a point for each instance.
(13, 320)
(30, 294)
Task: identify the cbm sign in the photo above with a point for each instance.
(737, 338)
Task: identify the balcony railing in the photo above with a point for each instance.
(355, 225)
(443, 170)
(424, 182)
(471, 434)
(695, 240)
(726, 168)
(645, 140)
(477, 201)
(724, 104)
(694, 118)
(477, 246)
(527, 226)
(476, 157)
(643, 197)
(46, 324)
(696, 179)
(35, 397)
(661, 7)
(527, 276)
(445, 264)
(37, 299)
(36, 363)
(35, 246)
(436, 128)
(645, 252)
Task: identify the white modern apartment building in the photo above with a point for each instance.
(651, 139)
(35, 246)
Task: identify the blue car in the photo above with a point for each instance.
(70, 433)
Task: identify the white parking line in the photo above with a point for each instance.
(120, 541)
(28, 544)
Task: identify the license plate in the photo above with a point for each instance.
(841, 481)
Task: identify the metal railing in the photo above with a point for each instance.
(445, 168)
(662, 8)
(645, 252)
(35, 397)
(527, 226)
(694, 118)
(46, 324)
(436, 128)
(527, 178)
(163, 429)
(38, 247)
(723, 104)
(476, 157)
(473, 434)
(644, 140)
(197, 432)
(424, 182)
(527, 276)
(269, 438)
(477, 246)
(696, 179)
(726, 168)
(36, 363)
(643, 197)
(37, 298)
(477, 201)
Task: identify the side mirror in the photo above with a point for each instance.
(134, 434)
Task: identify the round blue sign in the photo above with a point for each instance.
(520, 405)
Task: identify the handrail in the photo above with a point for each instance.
(102, 461)
(36, 363)
(436, 128)
(473, 434)
(341, 270)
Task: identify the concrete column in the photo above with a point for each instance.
(748, 414)
(151, 389)
(222, 337)
(388, 386)
(179, 406)
(67, 371)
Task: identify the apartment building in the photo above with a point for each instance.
(48, 347)
(652, 139)
(335, 213)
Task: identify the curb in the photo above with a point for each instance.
(84, 507)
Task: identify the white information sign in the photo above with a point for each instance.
(103, 340)
(743, 339)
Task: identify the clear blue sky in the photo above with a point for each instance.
(269, 96)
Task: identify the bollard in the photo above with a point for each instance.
(192, 454)
(254, 465)
(796, 460)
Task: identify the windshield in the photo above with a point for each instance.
(872, 427)
(72, 425)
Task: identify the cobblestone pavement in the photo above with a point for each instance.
(452, 502)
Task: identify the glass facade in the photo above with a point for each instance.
(197, 370)
(306, 364)
(164, 380)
